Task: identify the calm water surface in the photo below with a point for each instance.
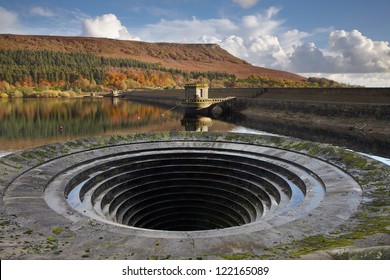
(28, 123)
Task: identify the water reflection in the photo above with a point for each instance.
(26, 123)
(196, 123)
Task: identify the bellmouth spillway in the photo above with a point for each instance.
(209, 192)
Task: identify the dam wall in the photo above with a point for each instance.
(345, 102)
(161, 98)
(328, 109)
(345, 95)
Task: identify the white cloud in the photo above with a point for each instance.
(187, 31)
(245, 4)
(261, 23)
(292, 38)
(107, 26)
(9, 21)
(267, 50)
(235, 45)
(308, 58)
(40, 11)
(348, 52)
(209, 40)
(367, 79)
(359, 54)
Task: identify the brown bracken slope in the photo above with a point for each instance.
(188, 57)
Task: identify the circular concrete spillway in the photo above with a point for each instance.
(206, 188)
(192, 186)
(183, 195)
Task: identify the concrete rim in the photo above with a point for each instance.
(25, 196)
(337, 184)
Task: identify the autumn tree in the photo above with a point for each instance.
(114, 79)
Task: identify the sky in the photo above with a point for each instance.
(343, 40)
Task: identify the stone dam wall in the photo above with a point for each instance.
(357, 118)
(344, 102)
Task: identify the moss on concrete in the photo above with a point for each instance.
(238, 256)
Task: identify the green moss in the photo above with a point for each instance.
(266, 257)
(367, 227)
(238, 256)
(28, 232)
(100, 141)
(370, 226)
(115, 139)
(51, 239)
(232, 137)
(362, 215)
(28, 154)
(167, 257)
(272, 250)
(57, 230)
(73, 144)
(43, 154)
(318, 242)
(352, 160)
(10, 164)
(37, 154)
(303, 146)
(36, 249)
(16, 159)
(275, 140)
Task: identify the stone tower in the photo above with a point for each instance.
(196, 91)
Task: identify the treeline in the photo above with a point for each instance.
(59, 74)
(267, 82)
(34, 68)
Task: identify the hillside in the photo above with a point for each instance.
(186, 57)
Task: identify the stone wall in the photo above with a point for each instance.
(344, 102)
(348, 95)
(345, 95)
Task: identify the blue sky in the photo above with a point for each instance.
(344, 40)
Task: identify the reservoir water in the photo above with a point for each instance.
(28, 123)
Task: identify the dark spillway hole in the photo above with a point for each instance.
(186, 191)
(178, 207)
